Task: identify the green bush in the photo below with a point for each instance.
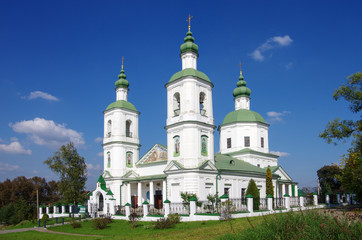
(253, 190)
(75, 224)
(133, 219)
(174, 218)
(101, 223)
(168, 222)
(45, 217)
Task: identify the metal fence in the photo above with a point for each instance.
(180, 208)
(321, 199)
(154, 211)
(120, 210)
(263, 204)
(238, 205)
(294, 201)
(279, 203)
(308, 200)
(207, 207)
(138, 211)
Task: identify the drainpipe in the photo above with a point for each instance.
(120, 194)
(217, 177)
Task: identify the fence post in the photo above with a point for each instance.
(128, 209)
(348, 198)
(270, 202)
(40, 211)
(63, 208)
(301, 201)
(315, 199)
(287, 201)
(338, 199)
(47, 209)
(249, 202)
(145, 208)
(166, 205)
(327, 199)
(192, 206)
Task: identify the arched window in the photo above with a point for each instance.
(204, 142)
(176, 104)
(108, 159)
(109, 128)
(202, 101)
(129, 159)
(176, 140)
(128, 128)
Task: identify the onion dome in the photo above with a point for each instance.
(122, 82)
(189, 45)
(241, 90)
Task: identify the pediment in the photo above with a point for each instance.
(207, 165)
(173, 165)
(157, 154)
(282, 173)
(130, 174)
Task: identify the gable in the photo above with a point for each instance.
(130, 174)
(173, 165)
(157, 154)
(207, 165)
(282, 173)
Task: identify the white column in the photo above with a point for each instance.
(290, 189)
(152, 194)
(145, 210)
(164, 192)
(249, 204)
(129, 193)
(283, 189)
(167, 208)
(139, 194)
(270, 204)
(192, 207)
(301, 201)
(287, 202)
(296, 190)
(315, 199)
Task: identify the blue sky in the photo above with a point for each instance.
(59, 61)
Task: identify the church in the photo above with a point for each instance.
(188, 163)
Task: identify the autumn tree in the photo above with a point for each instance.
(72, 170)
(342, 130)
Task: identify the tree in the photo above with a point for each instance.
(328, 179)
(72, 170)
(269, 182)
(253, 190)
(342, 130)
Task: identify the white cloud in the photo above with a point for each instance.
(40, 94)
(14, 148)
(276, 116)
(92, 167)
(281, 154)
(5, 167)
(271, 43)
(35, 172)
(100, 154)
(48, 133)
(98, 139)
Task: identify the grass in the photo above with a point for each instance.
(123, 229)
(34, 223)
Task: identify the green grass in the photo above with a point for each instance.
(34, 235)
(120, 229)
(34, 223)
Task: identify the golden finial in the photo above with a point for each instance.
(189, 20)
(240, 67)
(122, 61)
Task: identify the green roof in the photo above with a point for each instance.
(243, 115)
(241, 89)
(226, 162)
(189, 72)
(122, 104)
(103, 183)
(248, 150)
(151, 177)
(122, 82)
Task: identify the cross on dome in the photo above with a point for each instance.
(189, 20)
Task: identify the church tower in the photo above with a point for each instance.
(244, 133)
(121, 141)
(190, 122)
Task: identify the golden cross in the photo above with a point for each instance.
(189, 20)
(240, 66)
(122, 61)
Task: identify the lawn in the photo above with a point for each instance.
(120, 229)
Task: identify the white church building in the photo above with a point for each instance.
(188, 163)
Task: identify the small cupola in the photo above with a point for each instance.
(189, 45)
(241, 90)
(122, 82)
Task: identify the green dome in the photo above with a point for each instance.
(189, 72)
(241, 90)
(243, 115)
(122, 82)
(189, 45)
(121, 104)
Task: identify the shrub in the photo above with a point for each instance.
(174, 218)
(133, 219)
(253, 190)
(101, 223)
(164, 223)
(75, 224)
(7, 213)
(45, 217)
(108, 219)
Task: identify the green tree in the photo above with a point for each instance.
(72, 170)
(328, 179)
(253, 190)
(269, 183)
(342, 130)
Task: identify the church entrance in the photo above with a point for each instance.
(134, 201)
(158, 199)
(100, 202)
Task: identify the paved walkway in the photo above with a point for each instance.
(41, 229)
